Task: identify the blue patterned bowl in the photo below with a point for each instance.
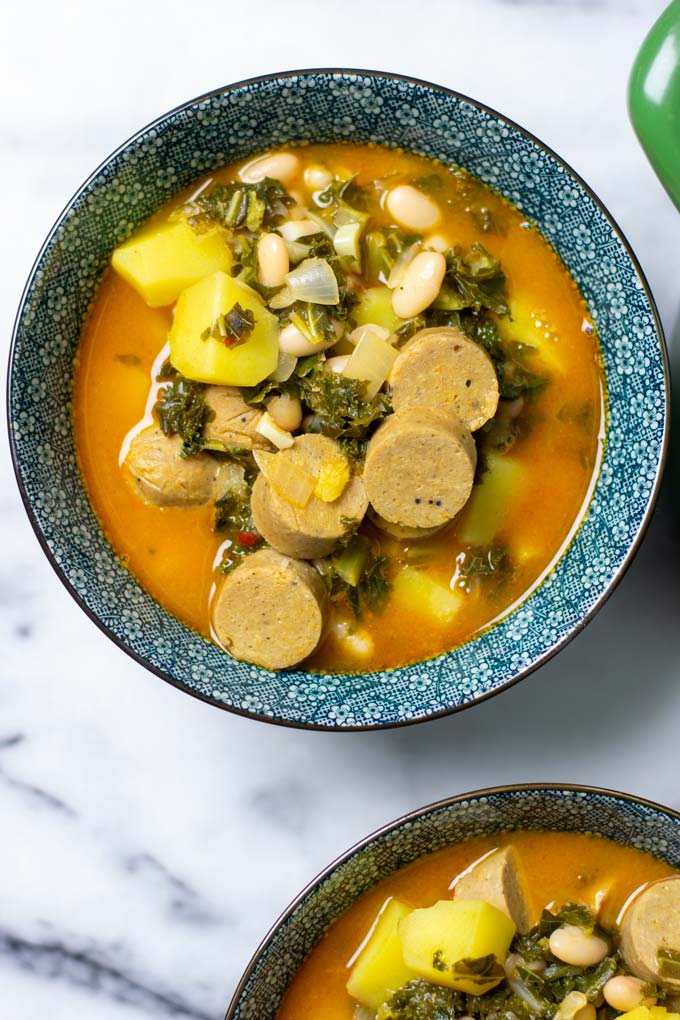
(617, 816)
(322, 106)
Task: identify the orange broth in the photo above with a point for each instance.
(172, 551)
(558, 868)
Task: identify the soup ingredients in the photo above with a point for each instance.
(577, 947)
(379, 970)
(496, 879)
(163, 476)
(271, 610)
(650, 934)
(443, 368)
(419, 468)
(313, 530)
(460, 944)
(279, 166)
(273, 261)
(199, 354)
(232, 424)
(162, 263)
(624, 993)
(412, 209)
(419, 285)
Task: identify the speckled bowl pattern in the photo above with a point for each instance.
(624, 819)
(324, 106)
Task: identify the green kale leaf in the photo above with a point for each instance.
(182, 410)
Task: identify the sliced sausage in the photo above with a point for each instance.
(271, 610)
(235, 422)
(496, 880)
(442, 367)
(419, 469)
(164, 477)
(650, 925)
(311, 531)
(401, 530)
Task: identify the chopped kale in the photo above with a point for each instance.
(509, 358)
(355, 572)
(233, 328)
(420, 1000)
(373, 589)
(240, 206)
(313, 321)
(182, 410)
(167, 371)
(669, 963)
(474, 279)
(341, 409)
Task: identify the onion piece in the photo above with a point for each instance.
(346, 240)
(268, 428)
(285, 367)
(371, 362)
(368, 327)
(313, 280)
(402, 264)
(290, 481)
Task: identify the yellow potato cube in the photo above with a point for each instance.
(492, 501)
(162, 262)
(375, 306)
(379, 969)
(436, 939)
(424, 596)
(210, 360)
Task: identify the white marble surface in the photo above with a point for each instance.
(148, 840)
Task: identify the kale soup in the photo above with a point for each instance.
(339, 405)
(514, 926)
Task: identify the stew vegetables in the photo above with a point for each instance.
(339, 405)
(518, 926)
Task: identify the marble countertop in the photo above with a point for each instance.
(147, 841)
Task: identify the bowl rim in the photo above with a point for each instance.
(299, 723)
(413, 816)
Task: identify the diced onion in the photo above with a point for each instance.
(346, 240)
(368, 327)
(313, 280)
(285, 367)
(290, 481)
(268, 428)
(371, 362)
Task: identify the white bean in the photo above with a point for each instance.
(411, 208)
(624, 993)
(282, 166)
(336, 364)
(273, 261)
(421, 284)
(286, 411)
(436, 242)
(317, 177)
(292, 341)
(576, 947)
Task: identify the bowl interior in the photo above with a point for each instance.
(323, 106)
(625, 820)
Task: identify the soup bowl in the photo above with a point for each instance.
(323, 106)
(617, 816)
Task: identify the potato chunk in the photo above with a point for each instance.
(379, 969)
(161, 263)
(437, 939)
(210, 360)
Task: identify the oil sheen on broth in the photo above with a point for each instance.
(536, 464)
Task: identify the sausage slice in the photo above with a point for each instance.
(419, 469)
(441, 367)
(312, 531)
(402, 531)
(271, 610)
(163, 477)
(235, 422)
(651, 925)
(496, 880)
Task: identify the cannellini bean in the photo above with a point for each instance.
(282, 166)
(411, 208)
(577, 947)
(273, 261)
(420, 285)
(318, 177)
(624, 993)
(292, 341)
(291, 230)
(436, 242)
(286, 411)
(336, 364)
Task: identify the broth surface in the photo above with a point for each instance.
(173, 552)
(559, 867)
